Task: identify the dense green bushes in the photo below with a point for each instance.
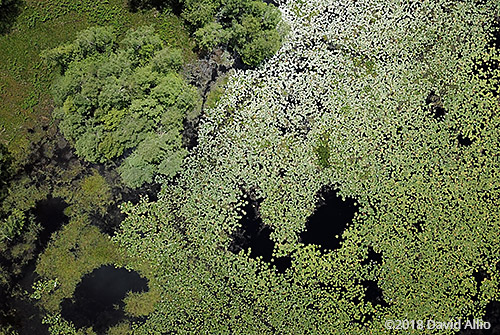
(123, 98)
(249, 27)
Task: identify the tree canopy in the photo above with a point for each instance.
(249, 27)
(123, 99)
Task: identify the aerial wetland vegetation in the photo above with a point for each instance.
(249, 167)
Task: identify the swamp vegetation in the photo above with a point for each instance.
(248, 167)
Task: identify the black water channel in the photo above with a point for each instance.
(492, 316)
(98, 299)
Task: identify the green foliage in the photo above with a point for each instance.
(23, 195)
(175, 34)
(216, 92)
(139, 304)
(58, 325)
(257, 47)
(156, 154)
(17, 245)
(167, 59)
(13, 225)
(200, 13)
(25, 112)
(91, 196)
(211, 35)
(88, 42)
(122, 328)
(41, 288)
(322, 151)
(249, 27)
(112, 97)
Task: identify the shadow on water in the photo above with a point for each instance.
(419, 226)
(28, 319)
(495, 41)
(173, 5)
(50, 214)
(479, 276)
(374, 294)
(98, 299)
(22, 314)
(255, 235)
(326, 225)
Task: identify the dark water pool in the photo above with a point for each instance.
(374, 294)
(372, 257)
(463, 141)
(255, 235)
(326, 225)
(50, 214)
(97, 301)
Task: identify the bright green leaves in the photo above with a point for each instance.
(161, 154)
(12, 225)
(167, 59)
(112, 119)
(140, 45)
(211, 35)
(88, 42)
(200, 13)
(253, 32)
(92, 196)
(259, 47)
(115, 95)
(249, 27)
